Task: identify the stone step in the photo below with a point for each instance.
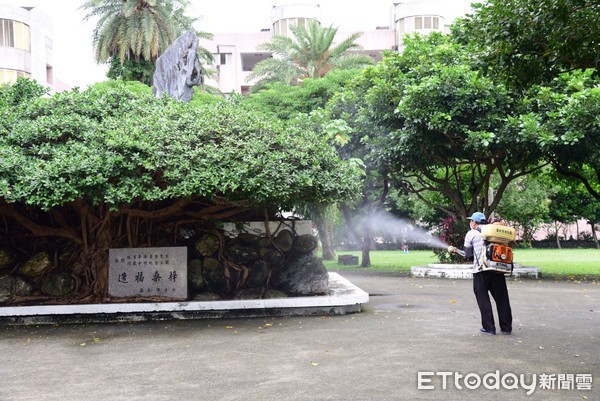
(344, 297)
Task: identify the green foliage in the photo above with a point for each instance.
(131, 70)
(22, 91)
(434, 124)
(201, 98)
(532, 41)
(525, 205)
(286, 101)
(561, 120)
(112, 146)
(309, 53)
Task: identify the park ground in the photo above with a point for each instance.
(411, 334)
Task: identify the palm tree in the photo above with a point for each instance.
(136, 28)
(131, 34)
(308, 54)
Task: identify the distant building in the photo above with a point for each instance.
(236, 54)
(26, 40)
(26, 46)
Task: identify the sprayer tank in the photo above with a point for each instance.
(498, 233)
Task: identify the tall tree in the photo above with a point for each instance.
(131, 34)
(553, 43)
(441, 127)
(308, 53)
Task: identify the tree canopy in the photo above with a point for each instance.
(438, 126)
(109, 166)
(532, 41)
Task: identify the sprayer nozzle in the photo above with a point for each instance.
(451, 249)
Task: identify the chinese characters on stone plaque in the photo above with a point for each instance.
(148, 272)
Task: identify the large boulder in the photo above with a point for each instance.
(284, 240)
(214, 276)
(178, 69)
(303, 275)
(259, 272)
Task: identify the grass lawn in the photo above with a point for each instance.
(553, 262)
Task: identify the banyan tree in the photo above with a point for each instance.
(82, 172)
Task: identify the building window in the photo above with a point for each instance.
(222, 59)
(427, 23)
(225, 58)
(14, 34)
(10, 76)
(400, 27)
(281, 27)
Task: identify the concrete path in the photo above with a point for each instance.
(410, 325)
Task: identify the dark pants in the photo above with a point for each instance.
(495, 283)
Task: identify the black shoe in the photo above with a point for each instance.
(508, 333)
(490, 332)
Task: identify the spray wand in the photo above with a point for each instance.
(453, 249)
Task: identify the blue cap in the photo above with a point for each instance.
(478, 218)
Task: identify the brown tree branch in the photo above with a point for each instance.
(39, 230)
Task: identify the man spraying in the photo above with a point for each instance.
(486, 281)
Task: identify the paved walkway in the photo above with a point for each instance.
(410, 325)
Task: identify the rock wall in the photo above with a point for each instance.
(238, 262)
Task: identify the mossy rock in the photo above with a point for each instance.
(207, 245)
(249, 293)
(272, 256)
(305, 244)
(58, 284)
(195, 275)
(248, 239)
(6, 287)
(214, 276)
(259, 272)
(284, 240)
(35, 266)
(241, 253)
(22, 288)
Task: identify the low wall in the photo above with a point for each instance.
(465, 271)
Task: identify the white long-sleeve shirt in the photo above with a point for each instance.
(474, 248)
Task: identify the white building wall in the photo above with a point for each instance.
(243, 46)
(38, 61)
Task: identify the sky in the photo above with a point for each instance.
(72, 44)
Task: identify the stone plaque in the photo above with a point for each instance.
(148, 272)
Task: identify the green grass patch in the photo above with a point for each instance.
(553, 262)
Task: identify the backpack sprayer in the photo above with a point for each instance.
(497, 254)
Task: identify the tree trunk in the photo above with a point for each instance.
(594, 236)
(326, 242)
(366, 236)
(366, 248)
